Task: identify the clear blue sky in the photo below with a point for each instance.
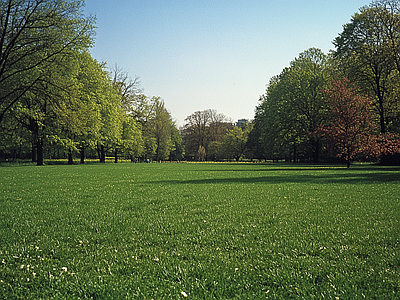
(217, 54)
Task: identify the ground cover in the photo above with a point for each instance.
(199, 231)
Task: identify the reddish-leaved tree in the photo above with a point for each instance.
(350, 130)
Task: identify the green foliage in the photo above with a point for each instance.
(233, 144)
(132, 140)
(158, 126)
(365, 56)
(292, 107)
(225, 231)
(202, 128)
(178, 148)
(35, 35)
(201, 154)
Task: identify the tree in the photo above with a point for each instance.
(111, 115)
(33, 35)
(92, 82)
(350, 130)
(127, 88)
(387, 14)
(265, 136)
(233, 143)
(363, 54)
(302, 92)
(292, 107)
(159, 127)
(178, 148)
(214, 150)
(50, 108)
(141, 108)
(132, 142)
(201, 153)
(254, 148)
(203, 127)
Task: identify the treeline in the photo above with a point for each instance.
(311, 110)
(59, 102)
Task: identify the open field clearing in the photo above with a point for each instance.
(199, 231)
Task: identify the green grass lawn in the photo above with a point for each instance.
(199, 231)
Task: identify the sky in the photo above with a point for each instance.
(212, 54)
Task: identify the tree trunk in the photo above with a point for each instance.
(70, 160)
(381, 108)
(116, 155)
(82, 155)
(34, 152)
(348, 158)
(98, 151)
(294, 153)
(39, 144)
(316, 151)
(34, 128)
(102, 154)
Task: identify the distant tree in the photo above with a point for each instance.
(92, 83)
(203, 127)
(157, 130)
(161, 124)
(214, 150)
(201, 153)
(127, 88)
(233, 143)
(254, 148)
(178, 148)
(112, 116)
(132, 144)
(141, 108)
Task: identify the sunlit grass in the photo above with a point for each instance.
(199, 231)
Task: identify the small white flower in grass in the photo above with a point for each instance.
(236, 269)
(184, 294)
(64, 269)
(22, 266)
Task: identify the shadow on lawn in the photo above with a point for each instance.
(304, 175)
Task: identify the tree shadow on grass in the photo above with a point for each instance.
(299, 167)
(301, 175)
